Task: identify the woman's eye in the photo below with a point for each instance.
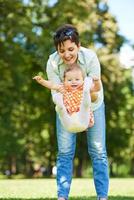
(61, 51)
(71, 49)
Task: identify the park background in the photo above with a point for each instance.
(27, 121)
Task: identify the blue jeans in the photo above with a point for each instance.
(96, 149)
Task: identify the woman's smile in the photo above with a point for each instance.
(68, 51)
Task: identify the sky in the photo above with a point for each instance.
(123, 10)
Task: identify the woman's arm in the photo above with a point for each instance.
(93, 70)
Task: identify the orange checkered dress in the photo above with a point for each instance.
(72, 99)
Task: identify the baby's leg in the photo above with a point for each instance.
(85, 107)
(86, 101)
(64, 116)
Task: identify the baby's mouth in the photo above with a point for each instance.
(74, 86)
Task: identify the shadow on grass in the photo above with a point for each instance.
(73, 198)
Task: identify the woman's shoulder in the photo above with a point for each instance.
(87, 51)
(86, 55)
(54, 57)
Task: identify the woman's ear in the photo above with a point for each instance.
(79, 45)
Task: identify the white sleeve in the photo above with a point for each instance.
(52, 75)
(93, 68)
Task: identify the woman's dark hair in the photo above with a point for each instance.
(66, 32)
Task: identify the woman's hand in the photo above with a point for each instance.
(94, 96)
(96, 84)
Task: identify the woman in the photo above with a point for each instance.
(69, 51)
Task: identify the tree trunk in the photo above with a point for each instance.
(13, 167)
(79, 168)
(112, 174)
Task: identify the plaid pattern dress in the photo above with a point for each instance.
(72, 98)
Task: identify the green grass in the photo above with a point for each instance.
(45, 189)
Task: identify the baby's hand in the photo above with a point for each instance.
(60, 88)
(39, 79)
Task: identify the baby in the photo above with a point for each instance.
(73, 102)
(72, 96)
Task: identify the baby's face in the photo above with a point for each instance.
(73, 79)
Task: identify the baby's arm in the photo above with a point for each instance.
(46, 83)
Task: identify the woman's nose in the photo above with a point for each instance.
(66, 55)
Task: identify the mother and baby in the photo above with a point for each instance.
(74, 77)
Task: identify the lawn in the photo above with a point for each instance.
(45, 189)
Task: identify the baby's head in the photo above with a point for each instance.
(73, 76)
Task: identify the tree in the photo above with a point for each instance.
(22, 120)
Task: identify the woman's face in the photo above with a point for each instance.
(68, 51)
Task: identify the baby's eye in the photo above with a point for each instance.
(69, 80)
(77, 79)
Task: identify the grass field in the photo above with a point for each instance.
(45, 189)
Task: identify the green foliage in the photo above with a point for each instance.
(22, 121)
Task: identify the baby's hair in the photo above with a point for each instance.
(73, 67)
